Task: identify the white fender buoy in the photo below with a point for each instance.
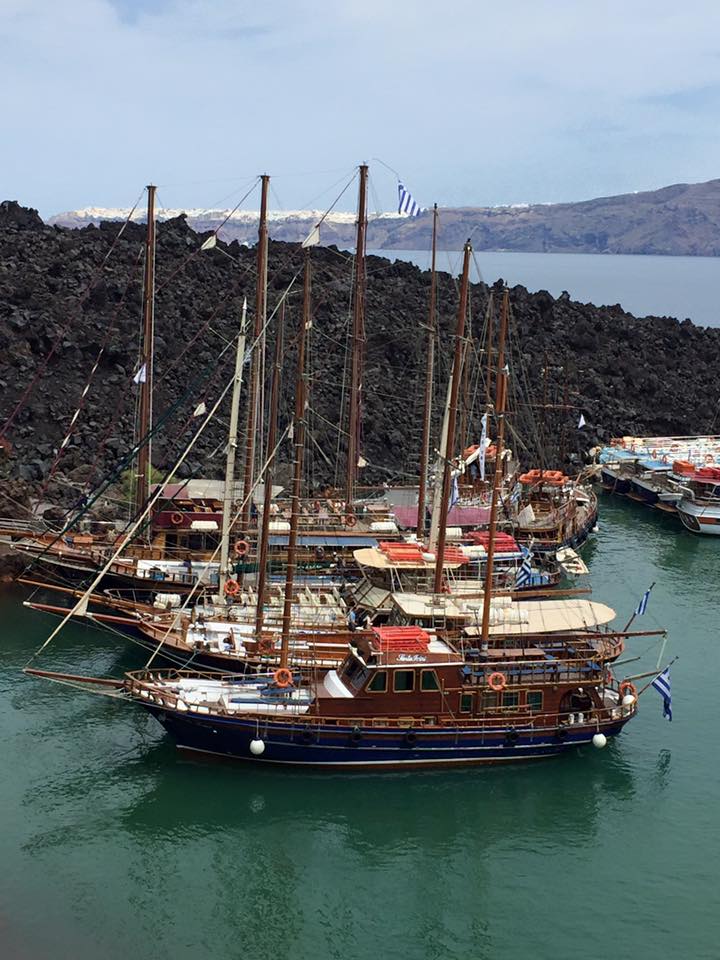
(628, 700)
(257, 747)
(599, 740)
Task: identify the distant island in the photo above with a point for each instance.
(680, 220)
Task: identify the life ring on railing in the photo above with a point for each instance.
(232, 588)
(709, 458)
(628, 688)
(497, 681)
(350, 519)
(241, 547)
(283, 677)
(176, 519)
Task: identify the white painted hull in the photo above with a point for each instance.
(700, 517)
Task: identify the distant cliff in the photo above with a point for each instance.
(681, 220)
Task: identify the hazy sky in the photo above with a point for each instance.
(472, 102)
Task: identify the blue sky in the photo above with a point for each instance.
(472, 102)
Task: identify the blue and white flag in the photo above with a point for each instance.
(483, 446)
(661, 683)
(454, 493)
(642, 606)
(406, 203)
(524, 574)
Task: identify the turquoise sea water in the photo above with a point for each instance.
(659, 286)
(114, 846)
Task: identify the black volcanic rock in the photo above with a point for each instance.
(72, 298)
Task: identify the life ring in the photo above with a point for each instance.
(232, 587)
(176, 519)
(317, 506)
(445, 588)
(497, 681)
(283, 677)
(709, 458)
(653, 454)
(265, 645)
(665, 458)
(241, 547)
(350, 519)
(628, 688)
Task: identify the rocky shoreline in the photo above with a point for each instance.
(76, 295)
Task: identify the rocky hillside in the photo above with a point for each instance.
(683, 219)
(71, 298)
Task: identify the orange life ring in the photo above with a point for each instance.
(350, 519)
(497, 681)
(232, 587)
(176, 519)
(709, 458)
(283, 677)
(241, 547)
(631, 689)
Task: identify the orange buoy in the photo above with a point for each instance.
(497, 681)
(350, 519)
(283, 677)
(241, 547)
(176, 519)
(232, 587)
(628, 688)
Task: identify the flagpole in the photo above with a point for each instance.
(632, 618)
(358, 338)
(654, 674)
(144, 478)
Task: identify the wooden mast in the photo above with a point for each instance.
(269, 476)
(259, 326)
(449, 451)
(145, 373)
(427, 403)
(299, 452)
(229, 490)
(358, 338)
(500, 396)
(489, 347)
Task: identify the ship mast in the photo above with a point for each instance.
(500, 397)
(145, 374)
(259, 326)
(449, 450)
(298, 455)
(231, 451)
(427, 402)
(358, 338)
(269, 476)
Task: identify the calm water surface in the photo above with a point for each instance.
(659, 286)
(113, 846)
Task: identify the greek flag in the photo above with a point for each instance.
(661, 683)
(454, 493)
(642, 606)
(483, 446)
(524, 574)
(406, 204)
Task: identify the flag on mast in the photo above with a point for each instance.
(483, 446)
(141, 375)
(642, 606)
(661, 683)
(406, 202)
(581, 422)
(210, 242)
(313, 238)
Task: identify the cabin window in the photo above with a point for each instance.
(489, 700)
(355, 674)
(195, 541)
(429, 680)
(465, 703)
(404, 681)
(535, 701)
(212, 541)
(171, 540)
(378, 684)
(510, 699)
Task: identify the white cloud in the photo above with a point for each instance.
(473, 103)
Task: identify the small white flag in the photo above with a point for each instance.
(362, 462)
(581, 422)
(313, 238)
(210, 242)
(200, 410)
(141, 375)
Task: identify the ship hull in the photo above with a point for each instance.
(698, 518)
(331, 746)
(613, 481)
